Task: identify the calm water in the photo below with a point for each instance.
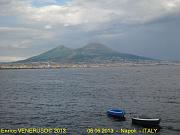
(78, 98)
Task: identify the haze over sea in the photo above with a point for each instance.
(78, 98)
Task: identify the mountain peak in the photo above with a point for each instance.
(95, 45)
(98, 47)
(61, 47)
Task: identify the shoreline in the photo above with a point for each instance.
(59, 66)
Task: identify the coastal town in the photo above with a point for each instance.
(53, 65)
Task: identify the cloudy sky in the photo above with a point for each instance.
(143, 27)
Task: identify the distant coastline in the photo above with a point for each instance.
(49, 65)
(88, 56)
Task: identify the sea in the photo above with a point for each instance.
(74, 101)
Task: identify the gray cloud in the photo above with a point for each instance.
(141, 27)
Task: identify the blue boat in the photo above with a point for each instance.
(118, 113)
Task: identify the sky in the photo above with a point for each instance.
(148, 28)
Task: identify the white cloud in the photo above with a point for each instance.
(86, 11)
(48, 27)
(10, 58)
(31, 33)
(21, 37)
(172, 4)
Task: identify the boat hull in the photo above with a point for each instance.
(116, 113)
(146, 122)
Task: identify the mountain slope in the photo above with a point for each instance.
(52, 55)
(91, 53)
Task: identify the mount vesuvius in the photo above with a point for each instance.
(91, 53)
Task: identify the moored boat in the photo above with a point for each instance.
(146, 121)
(118, 113)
